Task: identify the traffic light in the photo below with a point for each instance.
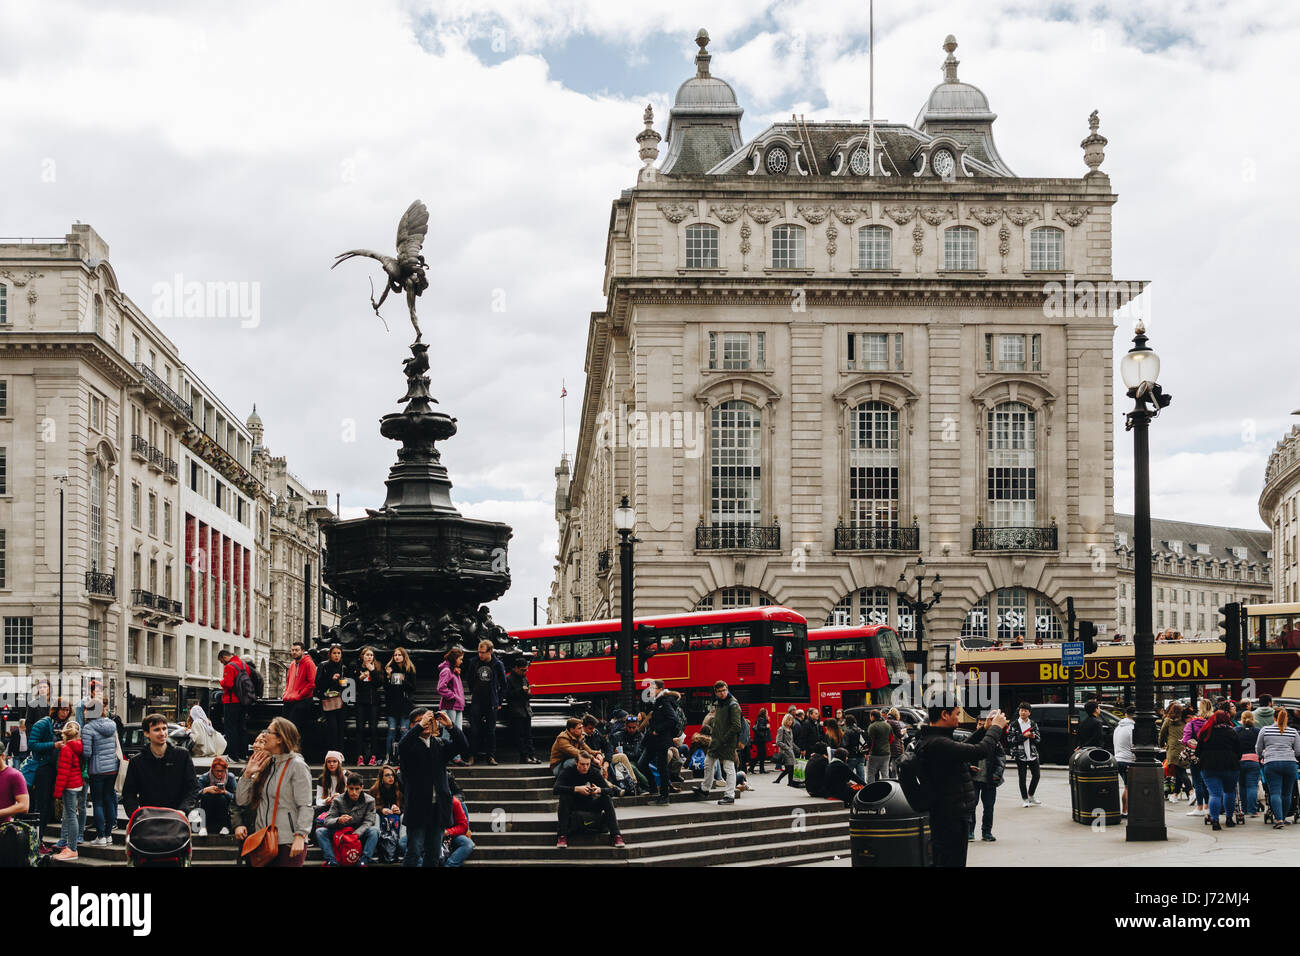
(1231, 627)
(646, 648)
(1088, 634)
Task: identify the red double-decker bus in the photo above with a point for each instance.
(761, 652)
(850, 666)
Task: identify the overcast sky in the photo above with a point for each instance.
(253, 141)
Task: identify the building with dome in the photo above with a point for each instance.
(833, 349)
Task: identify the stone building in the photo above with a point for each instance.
(1278, 504)
(1195, 570)
(840, 347)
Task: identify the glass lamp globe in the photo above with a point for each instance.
(901, 586)
(937, 585)
(624, 516)
(1139, 366)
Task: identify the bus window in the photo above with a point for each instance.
(564, 650)
(846, 650)
(738, 637)
(667, 642)
(552, 652)
(815, 651)
(710, 639)
(584, 648)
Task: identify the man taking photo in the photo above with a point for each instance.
(945, 773)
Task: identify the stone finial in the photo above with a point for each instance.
(1094, 146)
(703, 57)
(648, 139)
(950, 64)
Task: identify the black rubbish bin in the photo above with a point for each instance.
(1094, 786)
(884, 830)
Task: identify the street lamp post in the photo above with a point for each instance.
(63, 482)
(1146, 821)
(918, 607)
(624, 522)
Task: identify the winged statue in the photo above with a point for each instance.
(405, 271)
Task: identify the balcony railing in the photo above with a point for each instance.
(156, 458)
(1013, 539)
(164, 390)
(140, 446)
(749, 537)
(603, 560)
(877, 538)
(140, 598)
(170, 467)
(97, 582)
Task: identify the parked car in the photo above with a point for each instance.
(1051, 719)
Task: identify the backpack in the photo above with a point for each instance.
(248, 685)
(389, 847)
(744, 732)
(347, 847)
(697, 761)
(624, 780)
(679, 718)
(914, 780)
(17, 845)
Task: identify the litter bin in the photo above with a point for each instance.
(884, 830)
(1094, 786)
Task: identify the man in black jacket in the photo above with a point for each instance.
(945, 769)
(1090, 729)
(659, 737)
(160, 775)
(581, 787)
(519, 710)
(423, 754)
(485, 691)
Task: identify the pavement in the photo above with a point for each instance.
(1048, 836)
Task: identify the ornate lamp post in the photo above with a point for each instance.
(1139, 370)
(624, 522)
(918, 607)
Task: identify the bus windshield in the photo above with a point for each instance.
(789, 662)
(890, 650)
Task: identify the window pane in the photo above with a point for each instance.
(873, 247)
(1012, 477)
(735, 350)
(1045, 248)
(701, 247)
(1011, 353)
(736, 458)
(787, 247)
(875, 351)
(960, 248)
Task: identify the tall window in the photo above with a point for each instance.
(153, 513)
(4, 304)
(701, 246)
(961, 248)
(18, 640)
(92, 643)
(167, 521)
(873, 247)
(736, 464)
(1045, 245)
(873, 466)
(737, 350)
(135, 505)
(4, 471)
(99, 317)
(4, 394)
(787, 247)
(1011, 466)
(97, 517)
(4, 558)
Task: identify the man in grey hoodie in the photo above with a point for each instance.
(1264, 711)
(352, 808)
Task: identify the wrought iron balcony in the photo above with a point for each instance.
(604, 559)
(141, 598)
(748, 537)
(170, 468)
(97, 582)
(877, 538)
(164, 391)
(156, 458)
(140, 446)
(1013, 539)
(167, 604)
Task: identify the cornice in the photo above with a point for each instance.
(85, 345)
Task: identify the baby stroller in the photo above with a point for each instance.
(1295, 805)
(158, 836)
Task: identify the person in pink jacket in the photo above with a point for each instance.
(1191, 734)
(451, 692)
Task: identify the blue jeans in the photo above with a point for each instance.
(461, 847)
(396, 723)
(1248, 782)
(1222, 785)
(74, 818)
(369, 840)
(104, 796)
(1198, 782)
(423, 845)
(1279, 781)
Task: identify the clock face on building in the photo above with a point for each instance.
(943, 163)
(777, 161)
(860, 162)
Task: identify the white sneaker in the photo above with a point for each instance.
(203, 831)
(225, 831)
(1191, 798)
(1195, 813)
(1035, 801)
(1026, 803)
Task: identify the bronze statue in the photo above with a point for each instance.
(406, 271)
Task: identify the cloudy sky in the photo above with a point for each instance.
(255, 143)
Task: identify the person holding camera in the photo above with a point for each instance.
(423, 754)
(945, 774)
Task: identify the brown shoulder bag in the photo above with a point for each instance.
(261, 848)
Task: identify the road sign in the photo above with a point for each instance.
(1072, 654)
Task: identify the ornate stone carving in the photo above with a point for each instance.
(1094, 146)
(831, 235)
(745, 232)
(648, 141)
(675, 212)
(848, 215)
(762, 214)
(918, 239)
(936, 214)
(1020, 214)
(900, 214)
(987, 215)
(726, 212)
(1004, 244)
(1073, 215)
(813, 214)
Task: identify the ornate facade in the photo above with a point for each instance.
(1278, 506)
(841, 347)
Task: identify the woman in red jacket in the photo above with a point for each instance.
(457, 846)
(71, 786)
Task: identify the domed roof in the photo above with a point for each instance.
(705, 92)
(254, 420)
(953, 100)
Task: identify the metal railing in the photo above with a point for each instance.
(164, 390)
(877, 538)
(139, 446)
(604, 559)
(170, 467)
(97, 582)
(721, 537)
(1013, 539)
(142, 598)
(156, 457)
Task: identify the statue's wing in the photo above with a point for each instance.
(345, 256)
(411, 230)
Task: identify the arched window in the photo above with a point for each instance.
(701, 246)
(1012, 475)
(961, 248)
(726, 599)
(787, 247)
(736, 471)
(873, 466)
(1009, 613)
(874, 247)
(1045, 245)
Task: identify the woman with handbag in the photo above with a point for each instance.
(275, 798)
(1191, 738)
(331, 681)
(785, 749)
(1171, 738)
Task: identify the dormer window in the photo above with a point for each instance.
(945, 167)
(1176, 547)
(778, 161)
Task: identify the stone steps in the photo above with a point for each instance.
(646, 844)
(770, 853)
